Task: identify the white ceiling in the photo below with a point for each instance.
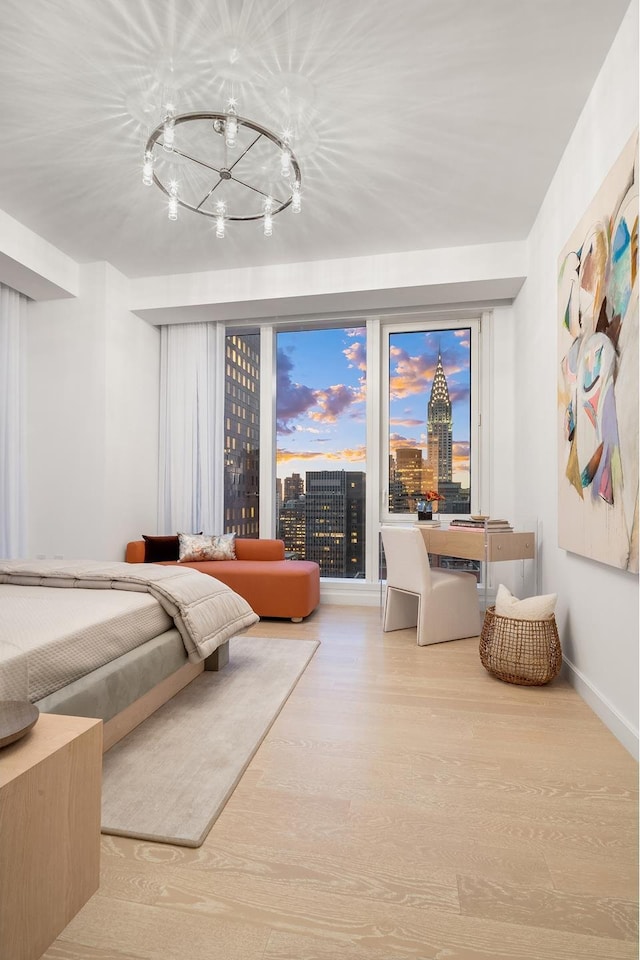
(421, 124)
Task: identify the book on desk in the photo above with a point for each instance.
(481, 523)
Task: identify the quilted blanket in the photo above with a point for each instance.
(205, 611)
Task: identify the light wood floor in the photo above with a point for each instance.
(404, 804)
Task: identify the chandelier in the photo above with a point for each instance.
(222, 166)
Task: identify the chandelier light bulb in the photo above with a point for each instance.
(231, 131)
(295, 198)
(173, 200)
(285, 163)
(147, 170)
(169, 135)
(220, 227)
(268, 225)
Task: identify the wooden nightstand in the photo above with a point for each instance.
(50, 784)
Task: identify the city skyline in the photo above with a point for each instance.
(412, 364)
(321, 394)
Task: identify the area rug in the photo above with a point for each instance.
(169, 779)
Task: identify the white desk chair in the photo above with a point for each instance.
(442, 604)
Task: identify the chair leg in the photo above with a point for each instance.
(400, 610)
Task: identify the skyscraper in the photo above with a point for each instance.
(440, 425)
(291, 527)
(242, 435)
(408, 478)
(293, 487)
(335, 521)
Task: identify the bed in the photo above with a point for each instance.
(110, 640)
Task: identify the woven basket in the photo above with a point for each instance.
(527, 652)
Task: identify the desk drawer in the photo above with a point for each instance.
(511, 546)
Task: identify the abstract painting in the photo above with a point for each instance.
(598, 374)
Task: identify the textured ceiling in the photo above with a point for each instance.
(419, 125)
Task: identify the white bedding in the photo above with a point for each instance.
(205, 611)
(51, 637)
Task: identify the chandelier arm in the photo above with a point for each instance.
(244, 152)
(261, 192)
(195, 160)
(207, 195)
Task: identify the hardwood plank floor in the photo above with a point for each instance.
(404, 804)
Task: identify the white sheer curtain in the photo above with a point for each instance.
(187, 428)
(13, 525)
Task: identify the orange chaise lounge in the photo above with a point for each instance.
(271, 585)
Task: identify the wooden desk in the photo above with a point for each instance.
(483, 545)
(49, 831)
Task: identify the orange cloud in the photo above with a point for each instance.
(398, 422)
(349, 455)
(356, 354)
(397, 440)
(333, 402)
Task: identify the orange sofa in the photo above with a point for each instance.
(273, 586)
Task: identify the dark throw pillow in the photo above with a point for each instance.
(157, 549)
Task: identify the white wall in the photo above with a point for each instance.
(92, 421)
(597, 604)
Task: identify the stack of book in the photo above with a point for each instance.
(482, 523)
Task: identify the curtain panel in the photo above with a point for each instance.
(187, 408)
(13, 524)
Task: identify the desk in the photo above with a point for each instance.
(483, 545)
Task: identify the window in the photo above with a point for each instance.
(241, 443)
(429, 419)
(364, 421)
(431, 422)
(321, 447)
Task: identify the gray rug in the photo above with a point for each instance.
(169, 779)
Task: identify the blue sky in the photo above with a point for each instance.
(321, 394)
(321, 401)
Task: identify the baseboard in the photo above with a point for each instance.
(360, 593)
(619, 727)
(352, 593)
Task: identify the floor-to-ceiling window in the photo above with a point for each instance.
(429, 404)
(321, 447)
(431, 422)
(357, 424)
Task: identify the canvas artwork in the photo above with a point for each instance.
(598, 374)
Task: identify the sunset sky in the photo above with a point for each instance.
(321, 389)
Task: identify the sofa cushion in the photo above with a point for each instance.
(199, 547)
(276, 588)
(157, 549)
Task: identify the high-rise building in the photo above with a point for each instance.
(335, 522)
(292, 526)
(242, 435)
(293, 487)
(440, 424)
(408, 478)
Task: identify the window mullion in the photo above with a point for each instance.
(267, 432)
(374, 489)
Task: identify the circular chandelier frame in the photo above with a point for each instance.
(225, 173)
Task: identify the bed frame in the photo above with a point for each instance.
(146, 702)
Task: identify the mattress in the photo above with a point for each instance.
(50, 637)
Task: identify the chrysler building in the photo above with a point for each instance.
(440, 426)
